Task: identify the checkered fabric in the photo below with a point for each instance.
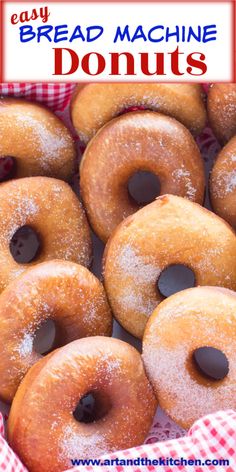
(9, 462)
(212, 437)
(55, 96)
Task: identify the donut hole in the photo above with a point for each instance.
(93, 406)
(25, 245)
(7, 168)
(144, 187)
(45, 337)
(175, 278)
(209, 363)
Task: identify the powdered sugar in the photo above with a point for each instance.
(156, 98)
(231, 182)
(26, 346)
(52, 210)
(137, 272)
(110, 364)
(49, 143)
(224, 184)
(190, 399)
(184, 176)
(167, 356)
(24, 208)
(132, 299)
(135, 266)
(77, 444)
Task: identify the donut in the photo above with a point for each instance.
(93, 105)
(138, 141)
(189, 353)
(41, 219)
(59, 290)
(223, 183)
(170, 231)
(34, 142)
(221, 106)
(108, 369)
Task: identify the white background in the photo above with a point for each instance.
(35, 62)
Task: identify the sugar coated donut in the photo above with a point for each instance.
(138, 141)
(223, 183)
(221, 106)
(37, 141)
(189, 352)
(41, 219)
(59, 290)
(93, 105)
(42, 411)
(171, 230)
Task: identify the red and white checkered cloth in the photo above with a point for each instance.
(55, 96)
(213, 437)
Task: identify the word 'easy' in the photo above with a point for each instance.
(26, 16)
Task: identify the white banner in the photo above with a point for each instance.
(158, 41)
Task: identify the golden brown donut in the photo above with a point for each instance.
(37, 139)
(42, 410)
(93, 105)
(134, 142)
(185, 322)
(53, 211)
(172, 230)
(221, 106)
(223, 183)
(59, 290)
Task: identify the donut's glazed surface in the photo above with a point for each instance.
(51, 208)
(51, 390)
(223, 183)
(221, 107)
(171, 230)
(137, 141)
(93, 105)
(58, 290)
(188, 320)
(37, 139)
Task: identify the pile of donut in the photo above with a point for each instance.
(93, 394)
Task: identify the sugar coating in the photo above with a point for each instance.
(224, 183)
(26, 346)
(138, 272)
(107, 366)
(99, 438)
(24, 208)
(74, 445)
(110, 364)
(222, 109)
(189, 399)
(165, 98)
(131, 299)
(184, 176)
(61, 291)
(228, 109)
(180, 393)
(137, 142)
(50, 144)
(231, 183)
(171, 230)
(64, 229)
(135, 266)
